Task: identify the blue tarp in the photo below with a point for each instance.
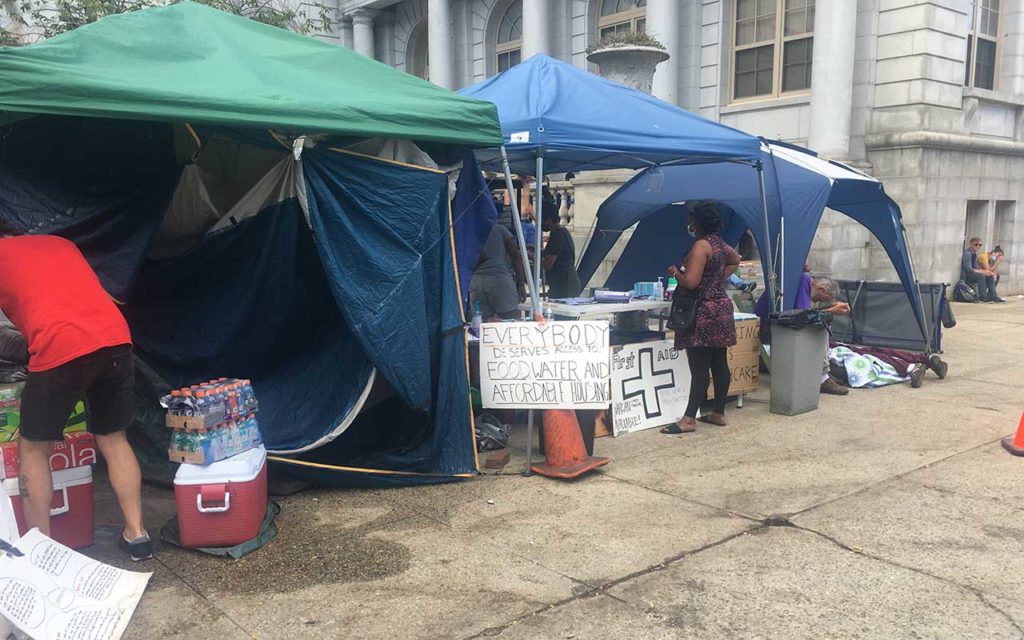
(578, 120)
(473, 215)
(799, 186)
(307, 310)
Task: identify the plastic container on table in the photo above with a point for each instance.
(222, 504)
(72, 517)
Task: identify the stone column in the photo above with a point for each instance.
(439, 43)
(1011, 64)
(536, 27)
(386, 38)
(345, 25)
(362, 31)
(835, 37)
(663, 25)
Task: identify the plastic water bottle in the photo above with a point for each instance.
(659, 290)
(477, 320)
(549, 315)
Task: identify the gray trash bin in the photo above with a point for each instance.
(798, 359)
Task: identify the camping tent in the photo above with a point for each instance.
(800, 185)
(195, 158)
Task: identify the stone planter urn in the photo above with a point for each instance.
(631, 65)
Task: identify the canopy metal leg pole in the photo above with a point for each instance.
(520, 238)
(769, 282)
(923, 320)
(539, 208)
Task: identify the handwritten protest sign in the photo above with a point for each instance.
(52, 592)
(650, 386)
(555, 365)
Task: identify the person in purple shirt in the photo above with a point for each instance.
(811, 293)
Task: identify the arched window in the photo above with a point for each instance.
(622, 16)
(508, 44)
(417, 54)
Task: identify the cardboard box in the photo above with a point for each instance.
(744, 359)
(76, 450)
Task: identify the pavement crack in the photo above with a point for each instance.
(977, 593)
(202, 596)
(602, 589)
(735, 514)
(897, 476)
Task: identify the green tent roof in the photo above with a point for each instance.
(189, 63)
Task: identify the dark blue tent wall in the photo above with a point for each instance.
(473, 215)
(103, 184)
(306, 315)
(797, 196)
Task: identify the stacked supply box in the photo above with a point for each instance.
(10, 413)
(212, 421)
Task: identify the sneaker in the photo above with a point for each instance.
(940, 368)
(916, 374)
(833, 388)
(749, 287)
(996, 299)
(139, 549)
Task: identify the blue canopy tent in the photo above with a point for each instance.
(799, 187)
(558, 118)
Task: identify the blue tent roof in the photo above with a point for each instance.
(579, 121)
(799, 186)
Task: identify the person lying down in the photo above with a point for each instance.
(871, 367)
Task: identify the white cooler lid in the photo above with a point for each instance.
(241, 468)
(72, 477)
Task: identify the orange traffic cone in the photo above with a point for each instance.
(563, 443)
(1015, 445)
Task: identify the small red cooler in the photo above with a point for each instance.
(71, 512)
(222, 504)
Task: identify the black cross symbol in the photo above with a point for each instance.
(645, 377)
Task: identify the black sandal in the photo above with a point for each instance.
(674, 430)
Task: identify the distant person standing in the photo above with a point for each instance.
(559, 257)
(498, 284)
(708, 264)
(79, 348)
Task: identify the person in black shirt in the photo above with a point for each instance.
(559, 257)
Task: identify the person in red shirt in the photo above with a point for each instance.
(79, 347)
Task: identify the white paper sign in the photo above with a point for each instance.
(54, 593)
(650, 386)
(520, 137)
(554, 365)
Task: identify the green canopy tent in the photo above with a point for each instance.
(325, 276)
(190, 63)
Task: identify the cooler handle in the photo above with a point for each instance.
(212, 489)
(63, 508)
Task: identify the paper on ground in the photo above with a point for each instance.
(54, 593)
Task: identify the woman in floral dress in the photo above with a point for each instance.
(708, 264)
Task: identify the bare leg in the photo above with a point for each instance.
(35, 483)
(125, 479)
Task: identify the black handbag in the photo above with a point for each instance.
(682, 317)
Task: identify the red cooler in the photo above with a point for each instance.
(71, 512)
(222, 504)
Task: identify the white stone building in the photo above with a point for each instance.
(927, 95)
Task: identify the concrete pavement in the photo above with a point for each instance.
(888, 513)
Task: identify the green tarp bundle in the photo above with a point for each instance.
(189, 63)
